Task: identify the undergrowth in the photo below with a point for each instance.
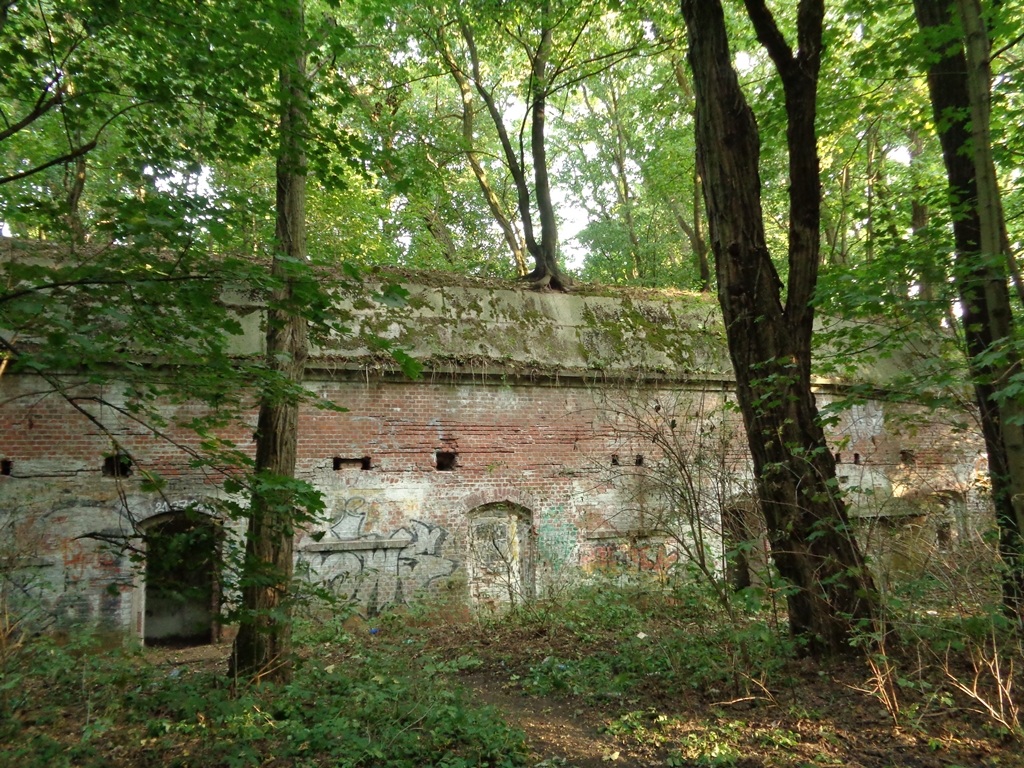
(611, 636)
(350, 704)
(667, 666)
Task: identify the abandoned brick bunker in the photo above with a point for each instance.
(529, 454)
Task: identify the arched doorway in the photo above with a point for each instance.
(500, 562)
(181, 584)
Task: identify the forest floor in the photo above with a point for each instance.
(602, 678)
(818, 716)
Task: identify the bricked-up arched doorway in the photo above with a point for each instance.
(501, 552)
(181, 585)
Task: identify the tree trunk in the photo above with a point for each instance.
(994, 240)
(981, 282)
(770, 344)
(493, 201)
(693, 234)
(511, 160)
(262, 648)
(700, 244)
(546, 272)
(622, 190)
(75, 189)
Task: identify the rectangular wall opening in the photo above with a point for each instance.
(445, 461)
(342, 464)
(118, 465)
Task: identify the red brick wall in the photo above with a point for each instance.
(544, 448)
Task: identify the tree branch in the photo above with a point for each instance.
(43, 105)
(769, 36)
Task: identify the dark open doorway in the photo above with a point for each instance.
(181, 580)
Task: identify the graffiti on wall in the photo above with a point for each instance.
(557, 540)
(651, 557)
(374, 570)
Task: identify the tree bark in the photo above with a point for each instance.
(770, 344)
(696, 236)
(981, 282)
(994, 239)
(262, 648)
(511, 160)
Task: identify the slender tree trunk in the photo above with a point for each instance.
(262, 648)
(701, 245)
(981, 281)
(546, 272)
(994, 239)
(438, 230)
(872, 175)
(623, 192)
(931, 273)
(508, 230)
(695, 235)
(514, 166)
(74, 197)
(770, 344)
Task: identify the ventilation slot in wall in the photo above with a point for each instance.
(118, 465)
(5, 467)
(639, 460)
(445, 460)
(615, 459)
(341, 464)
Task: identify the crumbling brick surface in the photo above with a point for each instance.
(564, 461)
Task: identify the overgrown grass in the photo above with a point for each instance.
(350, 704)
(616, 635)
(666, 666)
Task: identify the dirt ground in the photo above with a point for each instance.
(822, 717)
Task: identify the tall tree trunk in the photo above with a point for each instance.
(622, 190)
(546, 271)
(994, 240)
(770, 344)
(981, 282)
(695, 234)
(872, 177)
(511, 159)
(262, 648)
(508, 230)
(931, 275)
